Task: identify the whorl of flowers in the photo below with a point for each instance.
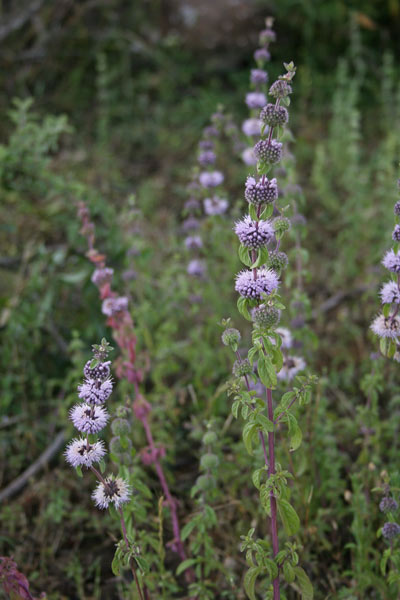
(91, 417)
(386, 325)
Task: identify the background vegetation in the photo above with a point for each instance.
(111, 101)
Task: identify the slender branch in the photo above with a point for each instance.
(40, 462)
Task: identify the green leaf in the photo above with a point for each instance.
(242, 307)
(266, 372)
(186, 564)
(384, 560)
(386, 310)
(187, 530)
(261, 258)
(288, 572)
(256, 477)
(290, 520)
(142, 564)
(272, 568)
(79, 471)
(253, 212)
(244, 255)
(116, 565)
(235, 408)
(265, 423)
(248, 433)
(250, 581)
(295, 433)
(306, 589)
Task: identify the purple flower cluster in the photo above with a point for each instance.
(89, 418)
(250, 287)
(386, 325)
(254, 234)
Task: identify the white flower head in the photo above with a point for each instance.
(386, 327)
(291, 366)
(80, 453)
(390, 293)
(95, 391)
(88, 419)
(114, 490)
(286, 336)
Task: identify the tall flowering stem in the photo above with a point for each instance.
(387, 324)
(115, 308)
(260, 233)
(89, 418)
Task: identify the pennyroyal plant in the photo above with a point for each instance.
(89, 418)
(260, 236)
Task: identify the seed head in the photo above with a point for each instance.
(281, 225)
(265, 316)
(277, 260)
(230, 336)
(241, 367)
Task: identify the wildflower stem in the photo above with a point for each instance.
(123, 527)
(271, 471)
(260, 433)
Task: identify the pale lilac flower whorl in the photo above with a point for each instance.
(386, 327)
(263, 191)
(196, 268)
(80, 453)
(215, 205)
(286, 336)
(262, 54)
(396, 234)
(252, 127)
(207, 158)
(113, 306)
(267, 281)
(88, 418)
(102, 276)
(266, 36)
(390, 530)
(210, 179)
(388, 504)
(248, 157)
(258, 76)
(206, 145)
(114, 490)
(95, 391)
(256, 100)
(190, 224)
(254, 234)
(193, 242)
(292, 365)
(390, 293)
